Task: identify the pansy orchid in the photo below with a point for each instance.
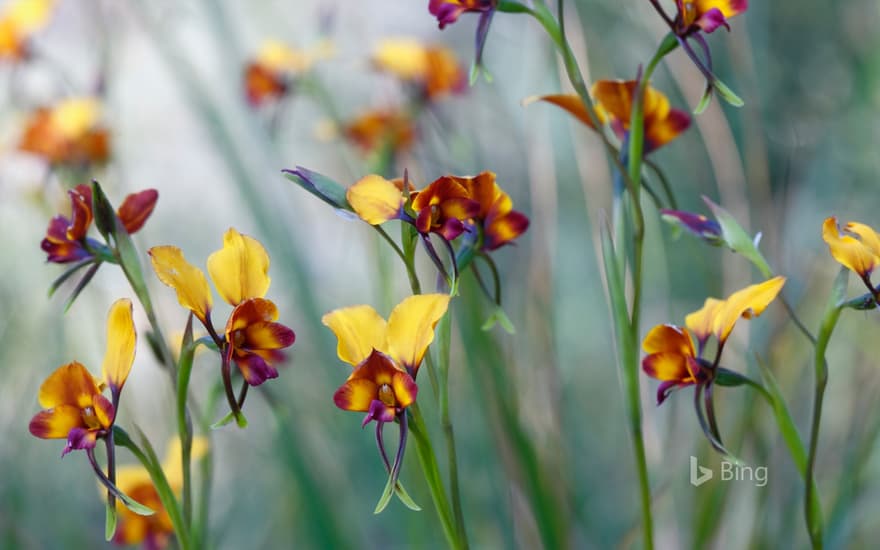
(433, 70)
(268, 76)
(675, 355)
(68, 133)
(386, 356)
(856, 246)
(20, 20)
(614, 99)
(448, 12)
(379, 130)
(252, 339)
(66, 238)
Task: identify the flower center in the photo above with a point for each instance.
(238, 339)
(90, 418)
(386, 395)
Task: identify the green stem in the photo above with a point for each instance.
(151, 463)
(428, 461)
(184, 422)
(826, 328)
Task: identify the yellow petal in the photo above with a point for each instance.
(405, 58)
(190, 283)
(570, 103)
(28, 16)
(359, 330)
(748, 302)
(375, 199)
(72, 118)
(668, 338)
(701, 322)
(867, 235)
(239, 269)
(70, 384)
(121, 340)
(853, 253)
(411, 327)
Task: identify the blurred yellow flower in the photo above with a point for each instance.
(18, 22)
(433, 69)
(68, 133)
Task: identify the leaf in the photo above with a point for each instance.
(704, 100)
(729, 378)
(110, 522)
(726, 93)
(737, 239)
(241, 421)
(105, 215)
(67, 274)
(405, 498)
(81, 285)
(386, 495)
(326, 189)
(498, 316)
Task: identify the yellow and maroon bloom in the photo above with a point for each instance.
(153, 531)
(434, 70)
(499, 223)
(66, 238)
(404, 337)
(613, 104)
(443, 207)
(614, 99)
(672, 356)
(856, 246)
(68, 133)
(75, 407)
(378, 387)
(706, 15)
(240, 272)
(268, 76)
(381, 128)
(448, 11)
(20, 20)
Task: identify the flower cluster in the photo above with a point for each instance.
(252, 339)
(673, 358)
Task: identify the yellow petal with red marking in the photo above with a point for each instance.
(356, 395)
(668, 339)
(359, 330)
(70, 384)
(190, 283)
(375, 199)
(411, 327)
(570, 103)
(240, 270)
(121, 340)
(57, 422)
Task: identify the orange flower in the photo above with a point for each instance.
(499, 223)
(379, 129)
(443, 207)
(268, 76)
(672, 358)
(614, 105)
(20, 20)
(706, 15)
(76, 410)
(433, 69)
(68, 133)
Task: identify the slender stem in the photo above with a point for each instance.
(428, 461)
(184, 422)
(814, 518)
(227, 385)
(410, 267)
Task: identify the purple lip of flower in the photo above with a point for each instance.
(699, 225)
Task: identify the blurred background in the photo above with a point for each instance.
(169, 77)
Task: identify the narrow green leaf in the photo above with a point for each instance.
(737, 239)
(242, 421)
(110, 522)
(727, 94)
(405, 498)
(67, 274)
(319, 185)
(509, 6)
(498, 316)
(729, 378)
(105, 214)
(81, 285)
(386, 496)
(704, 100)
(134, 505)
